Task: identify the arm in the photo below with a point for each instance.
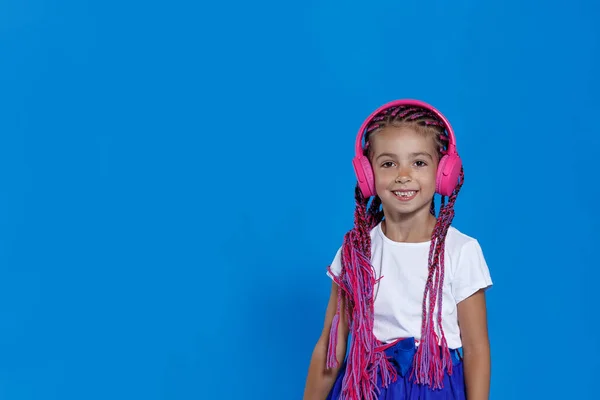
(472, 318)
(320, 380)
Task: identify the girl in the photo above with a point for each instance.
(408, 288)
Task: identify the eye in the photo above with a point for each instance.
(387, 164)
(420, 163)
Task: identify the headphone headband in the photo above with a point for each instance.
(358, 148)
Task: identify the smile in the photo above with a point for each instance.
(405, 195)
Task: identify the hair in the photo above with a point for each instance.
(357, 279)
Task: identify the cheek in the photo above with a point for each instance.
(431, 177)
(426, 178)
(383, 176)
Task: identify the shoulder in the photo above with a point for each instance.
(464, 250)
(458, 241)
(336, 263)
(469, 268)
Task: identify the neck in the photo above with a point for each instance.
(414, 228)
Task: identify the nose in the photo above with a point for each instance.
(403, 176)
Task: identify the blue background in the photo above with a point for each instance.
(176, 177)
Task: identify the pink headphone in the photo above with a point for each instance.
(448, 169)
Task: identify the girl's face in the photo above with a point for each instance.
(404, 163)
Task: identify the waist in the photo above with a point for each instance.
(402, 351)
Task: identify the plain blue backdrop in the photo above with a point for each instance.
(176, 177)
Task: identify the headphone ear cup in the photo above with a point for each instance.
(364, 175)
(447, 174)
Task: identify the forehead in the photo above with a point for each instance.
(401, 139)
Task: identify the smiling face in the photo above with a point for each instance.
(404, 160)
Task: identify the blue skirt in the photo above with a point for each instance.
(401, 356)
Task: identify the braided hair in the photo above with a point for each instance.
(357, 279)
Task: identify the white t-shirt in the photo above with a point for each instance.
(399, 298)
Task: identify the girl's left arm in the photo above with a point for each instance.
(472, 318)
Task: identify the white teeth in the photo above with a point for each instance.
(405, 194)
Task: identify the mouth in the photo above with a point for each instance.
(405, 195)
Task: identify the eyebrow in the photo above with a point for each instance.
(421, 153)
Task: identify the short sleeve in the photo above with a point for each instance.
(336, 264)
(472, 273)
